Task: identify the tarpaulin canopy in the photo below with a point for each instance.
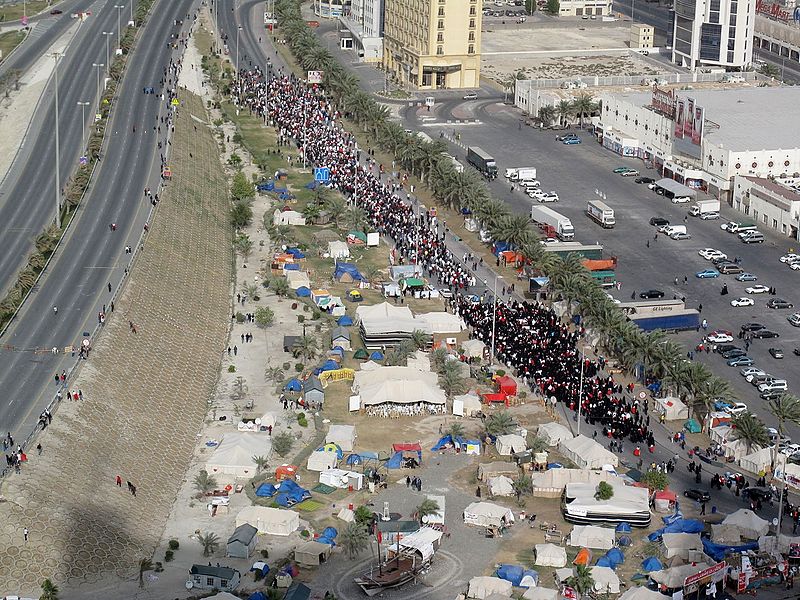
(501, 486)
(623, 527)
(293, 385)
(487, 514)
(517, 575)
(345, 321)
(507, 385)
(303, 292)
(750, 524)
(679, 525)
(591, 536)
(347, 272)
(509, 444)
(605, 580)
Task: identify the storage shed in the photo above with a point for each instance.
(340, 336)
(312, 553)
(242, 542)
(313, 392)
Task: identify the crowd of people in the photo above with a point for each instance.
(396, 411)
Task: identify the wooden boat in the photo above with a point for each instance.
(390, 574)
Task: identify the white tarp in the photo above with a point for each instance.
(398, 385)
(587, 453)
(675, 576)
(440, 322)
(273, 521)
(485, 514)
(501, 486)
(425, 541)
(234, 455)
(680, 544)
(757, 462)
(591, 536)
(343, 436)
(672, 408)
(482, 587)
(550, 555)
(509, 444)
(605, 580)
(474, 348)
(466, 405)
(287, 217)
(750, 524)
(297, 279)
(554, 433)
(726, 534)
(540, 593)
(386, 318)
(338, 249)
(321, 461)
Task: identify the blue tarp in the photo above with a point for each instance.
(294, 385)
(289, 493)
(651, 564)
(311, 185)
(623, 527)
(343, 268)
(499, 247)
(291, 267)
(329, 365)
(448, 440)
(295, 252)
(266, 186)
(345, 321)
(338, 350)
(677, 515)
(357, 459)
(515, 574)
(257, 596)
(327, 536)
(678, 526)
(377, 355)
(303, 292)
(265, 490)
(263, 570)
(718, 551)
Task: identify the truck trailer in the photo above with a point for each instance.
(564, 249)
(704, 206)
(560, 224)
(601, 213)
(679, 320)
(483, 161)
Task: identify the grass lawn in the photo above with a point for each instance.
(9, 41)
(13, 12)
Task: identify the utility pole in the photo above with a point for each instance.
(119, 8)
(83, 106)
(238, 29)
(97, 70)
(108, 35)
(56, 56)
(580, 393)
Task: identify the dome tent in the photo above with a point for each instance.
(302, 292)
(360, 354)
(345, 321)
(293, 385)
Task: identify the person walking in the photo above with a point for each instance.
(119, 481)
(25, 533)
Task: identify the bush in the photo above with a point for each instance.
(232, 369)
(301, 318)
(286, 366)
(241, 214)
(316, 315)
(301, 420)
(239, 317)
(168, 555)
(305, 533)
(282, 443)
(604, 491)
(264, 316)
(174, 544)
(265, 554)
(298, 367)
(655, 480)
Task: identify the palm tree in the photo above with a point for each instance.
(490, 212)
(547, 113)
(145, 565)
(438, 359)
(419, 339)
(209, 542)
(564, 111)
(311, 211)
(514, 229)
(356, 218)
(427, 508)
(204, 483)
(336, 208)
(499, 423)
(583, 105)
(306, 348)
(455, 430)
(243, 245)
(280, 287)
(523, 485)
(751, 430)
(261, 463)
(452, 382)
(582, 581)
(785, 409)
(50, 590)
(354, 539)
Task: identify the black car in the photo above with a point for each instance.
(735, 353)
(796, 351)
(770, 396)
(753, 327)
(765, 333)
(652, 294)
(698, 495)
(776, 352)
(658, 221)
(722, 348)
(779, 303)
(644, 180)
(756, 493)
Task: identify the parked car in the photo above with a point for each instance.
(644, 180)
(620, 170)
(796, 351)
(651, 294)
(746, 277)
(758, 378)
(681, 200)
(730, 269)
(735, 353)
(548, 197)
(631, 173)
(757, 493)
(741, 361)
(711, 253)
(773, 386)
(751, 371)
(707, 273)
(763, 334)
(659, 221)
(709, 216)
(757, 289)
(794, 319)
(679, 235)
(471, 96)
(737, 408)
(752, 327)
(724, 348)
(779, 303)
(697, 495)
(776, 352)
(570, 141)
(566, 136)
(742, 302)
(719, 338)
(788, 258)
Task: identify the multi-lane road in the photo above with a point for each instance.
(92, 257)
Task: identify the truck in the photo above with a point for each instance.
(704, 206)
(739, 227)
(601, 213)
(483, 161)
(564, 249)
(547, 217)
(523, 173)
(456, 164)
(679, 320)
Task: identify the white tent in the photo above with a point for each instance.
(287, 217)
(540, 593)
(466, 405)
(474, 348)
(234, 455)
(750, 524)
(343, 436)
(440, 322)
(339, 478)
(272, 521)
(605, 580)
(672, 408)
(483, 587)
(586, 453)
(641, 593)
(398, 385)
(386, 317)
(563, 574)
(501, 486)
(720, 434)
(726, 534)
(338, 249)
(509, 444)
(681, 544)
(553, 433)
(757, 462)
(550, 555)
(485, 514)
(781, 543)
(591, 536)
(674, 577)
(321, 461)
(297, 279)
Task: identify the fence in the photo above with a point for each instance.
(524, 86)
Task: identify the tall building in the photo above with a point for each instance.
(364, 22)
(714, 33)
(433, 44)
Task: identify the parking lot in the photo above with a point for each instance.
(648, 260)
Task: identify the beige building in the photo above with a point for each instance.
(641, 36)
(433, 44)
(580, 8)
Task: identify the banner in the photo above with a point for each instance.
(679, 118)
(697, 130)
(688, 119)
(315, 77)
(336, 375)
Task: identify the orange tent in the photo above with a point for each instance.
(506, 385)
(584, 557)
(285, 472)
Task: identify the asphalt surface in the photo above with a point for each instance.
(92, 257)
(27, 194)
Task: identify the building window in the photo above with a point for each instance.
(440, 38)
(764, 219)
(210, 581)
(471, 49)
(471, 36)
(440, 50)
(783, 228)
(774, 223)
(441, 11)
(223, 583)
(441, 25)
(755, 214)
(472, 23)
(472, 11)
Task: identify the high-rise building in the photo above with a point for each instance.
(715, 33)
(364, 22)
(433, 44)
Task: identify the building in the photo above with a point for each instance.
(579, 8)
(778, 34)
(313, 392)
(330, 9)
(433, 44)
(773, 204)
(206, 577)
(642, 36)
(713, 33)
(704, 138)
(364, 25)
(242, 542)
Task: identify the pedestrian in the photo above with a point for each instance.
(235, 350)
(702, 508)
(133, 491)
(25, 534)
(119, 481)
(408, 481)
(478, 491)
(39, 449)
(109, 287)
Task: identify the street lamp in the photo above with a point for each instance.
(580, 392)
(494, 317)
(83, 106)
(119, 8)
(237, 50)
(56, 56)
(108, 35)
(97, 67)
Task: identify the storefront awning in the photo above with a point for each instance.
(675, 188)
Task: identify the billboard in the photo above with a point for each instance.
(314, 77)
(688, 133)
(697, 130)
(663, 102)
(679, 117)
(688, 119)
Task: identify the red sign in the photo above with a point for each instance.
(720, 566)
(741, 584)
(663, 102)
(773, 10)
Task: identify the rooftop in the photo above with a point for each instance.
(783, 191)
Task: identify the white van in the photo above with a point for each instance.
(671, 229)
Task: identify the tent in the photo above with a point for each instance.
(587, 453)
(506, 385)
(517, 575)
(312, 553)
(360, 354)
(584, 557)
(338, 249)
(551, 483)
(474, 348)
(342, 435)
(234, 455)
(425, 541)
(289, 493)
(285, 472)
(501, 486)
(466, 405)
(272, 521)
(510, 444)
(440, 322)
(605, 580)
(751, 525)
(355, 296)
(342, 479)
(623, 527)
(321, 461)
(448, 442)
(720, 551)
(672, 408)
(303, 291)
(287, 217)
(483, 587)
(398, 385)
(356, 237)
(541, 593)
(651, 564)
(758, 462)
(681, 544)
(673, 577)
(641, 593)
(376, 355)
(298, 279)
(553, 433)
(346, 272)
(550, 555)
(293, 385)
(485, 514)
(344, 321)
(591, 536)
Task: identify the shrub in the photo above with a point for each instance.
(316, 315)
(232, 369)
(264, 316)
(282, 443)
(239, 317)
(298, 367)
(168, 555)
(174, 544)
(301, 318)
(305, 533)
(302, 420)
(265, 554)
(604, 491)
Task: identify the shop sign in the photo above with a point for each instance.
(663, 102)
(776, 11)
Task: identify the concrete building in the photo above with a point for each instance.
(364, 30)
(772, 204)
(579, 8)
(433, 44)
(704, 138)
(713, 33)
(207, 577)
(642, 35)
(778, 34)
(330, 9)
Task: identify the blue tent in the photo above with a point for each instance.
(329, 365)
(337, 350)
(343, 268)
(678, 526)
(294, 385)
(311, 185)
(651, 564)
(266, 186)
(295, 252)
(616, 556)
(518, 576)
(265, 490)
(257, 596)
(331, 447)
(604, 561)
(377, 355)
(302, 292)
(345, 321)
(259, 567)
(354, 459)
(718, 551)
(290, 493)
(499, 247)
(624, 540)
(327, 536)
(448, 440)
(623, 528)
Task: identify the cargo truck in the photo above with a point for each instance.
(564, 249)
(524, 173)
(704, 206)
(547, 217)
(483, 161)
(601, 213)
(679, 320)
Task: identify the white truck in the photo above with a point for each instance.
(524, 173)
(553, 224)
(601, 213)
(456, 164)
(704, 206)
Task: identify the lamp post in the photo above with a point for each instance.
(580, 392)
(238, 29)
(56, 56)
(132, 21)
(108, 35)
(119, 8)
(83, 106)
(494, 317)
(97, 67)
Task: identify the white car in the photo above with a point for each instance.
(535, 193)
(711, 253)
(795, 266)
(776, 385)
(790, 449)
(747, 371)
(681, 200)
(791, 257)
(709, 216)
(680, 235)
(744, 301)
(548, 197)
(757, 289)
(719, 338)
(737, 409)
(550, 240)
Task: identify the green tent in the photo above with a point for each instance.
(692, 426)
(412, 282)
(358, 234)
(361, 354)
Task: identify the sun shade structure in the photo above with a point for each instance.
(587, 453)
(590, 536)
(397, 385)
(674, 188)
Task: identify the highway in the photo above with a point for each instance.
(92, 257)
